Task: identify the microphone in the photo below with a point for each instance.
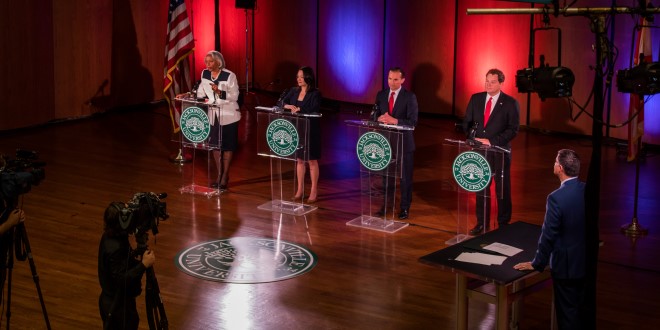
(375, 112)
(195, 86)
(472, 133)
(280, 100)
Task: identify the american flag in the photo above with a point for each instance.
(179, 43)
(643, 54)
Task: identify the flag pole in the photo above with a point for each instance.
(634, 228)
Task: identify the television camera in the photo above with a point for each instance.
(141, 214)
(18, 175)
(16, 178)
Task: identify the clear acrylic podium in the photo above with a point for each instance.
(380, 150)
(464, 154)
(200, 131)
(283, 137)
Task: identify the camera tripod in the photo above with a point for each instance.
(156, 316)
(155, 308)
(18, 238)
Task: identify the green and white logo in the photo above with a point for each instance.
(246, 260)
(195, 125)
(374, 151)
(282, 137)
(471, 171)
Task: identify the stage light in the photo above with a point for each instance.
(547, 82)
(643, 79)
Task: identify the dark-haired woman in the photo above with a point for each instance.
(305, 98)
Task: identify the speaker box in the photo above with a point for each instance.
(245, 4)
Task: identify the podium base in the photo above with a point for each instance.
(199, 190)
(457, 239)
(374, 223)
(287, 207)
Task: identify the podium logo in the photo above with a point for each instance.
(195, 124)
(282, 137)
(471, 171)
(246, 260)
(374, 151)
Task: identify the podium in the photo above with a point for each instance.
(473, 168)
(380, 150)
(200, 131)
(283, 137)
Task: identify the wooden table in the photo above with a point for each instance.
(476, 281)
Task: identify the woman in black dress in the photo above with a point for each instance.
(305, 98)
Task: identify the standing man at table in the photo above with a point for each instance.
(562, 243)
(398, 106)
(494, 117)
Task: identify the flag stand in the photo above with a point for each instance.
(634, 228)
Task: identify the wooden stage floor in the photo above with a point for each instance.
(363, 280)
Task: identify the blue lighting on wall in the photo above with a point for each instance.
(354, 44)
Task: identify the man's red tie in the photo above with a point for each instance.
(391, 102)
(487, 111)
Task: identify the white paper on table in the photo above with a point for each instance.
(480, 258)
(504, 249)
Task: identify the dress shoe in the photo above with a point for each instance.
(403, 214)
(311, 201)
(222, 187)
(477, 230)
(215, 185)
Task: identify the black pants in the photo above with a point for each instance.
(406, 180)
(124, 316)
(569, 303)
(502, 177)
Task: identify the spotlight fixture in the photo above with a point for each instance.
(643, 79)
(546, 81)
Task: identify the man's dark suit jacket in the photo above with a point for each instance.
(405, 110)
(562, 242)
(503, 123)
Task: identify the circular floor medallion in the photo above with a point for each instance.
(246, 260)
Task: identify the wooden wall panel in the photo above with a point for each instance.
(82, 31)
(285, 40)
(232, 38)
(420, 40)
(70, 59)
(26, 72)
(351, 49)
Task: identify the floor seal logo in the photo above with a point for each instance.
(471, 171)
(246, 260)
(195, 125)
(282, 137)
(374, 151)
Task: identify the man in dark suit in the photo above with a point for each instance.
(562, 243)
(494, 117)
(398, 106)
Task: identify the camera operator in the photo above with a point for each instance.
(16, 216)
(120, 270)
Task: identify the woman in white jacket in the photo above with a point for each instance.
(220, 86)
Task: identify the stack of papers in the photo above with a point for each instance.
(480, 258)
(503, 251)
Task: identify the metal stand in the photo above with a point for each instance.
(20, 234)
(155, 309)
(634, 228)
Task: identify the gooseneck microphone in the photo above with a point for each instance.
(280, 100)
(472, 133)
(375, 112)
